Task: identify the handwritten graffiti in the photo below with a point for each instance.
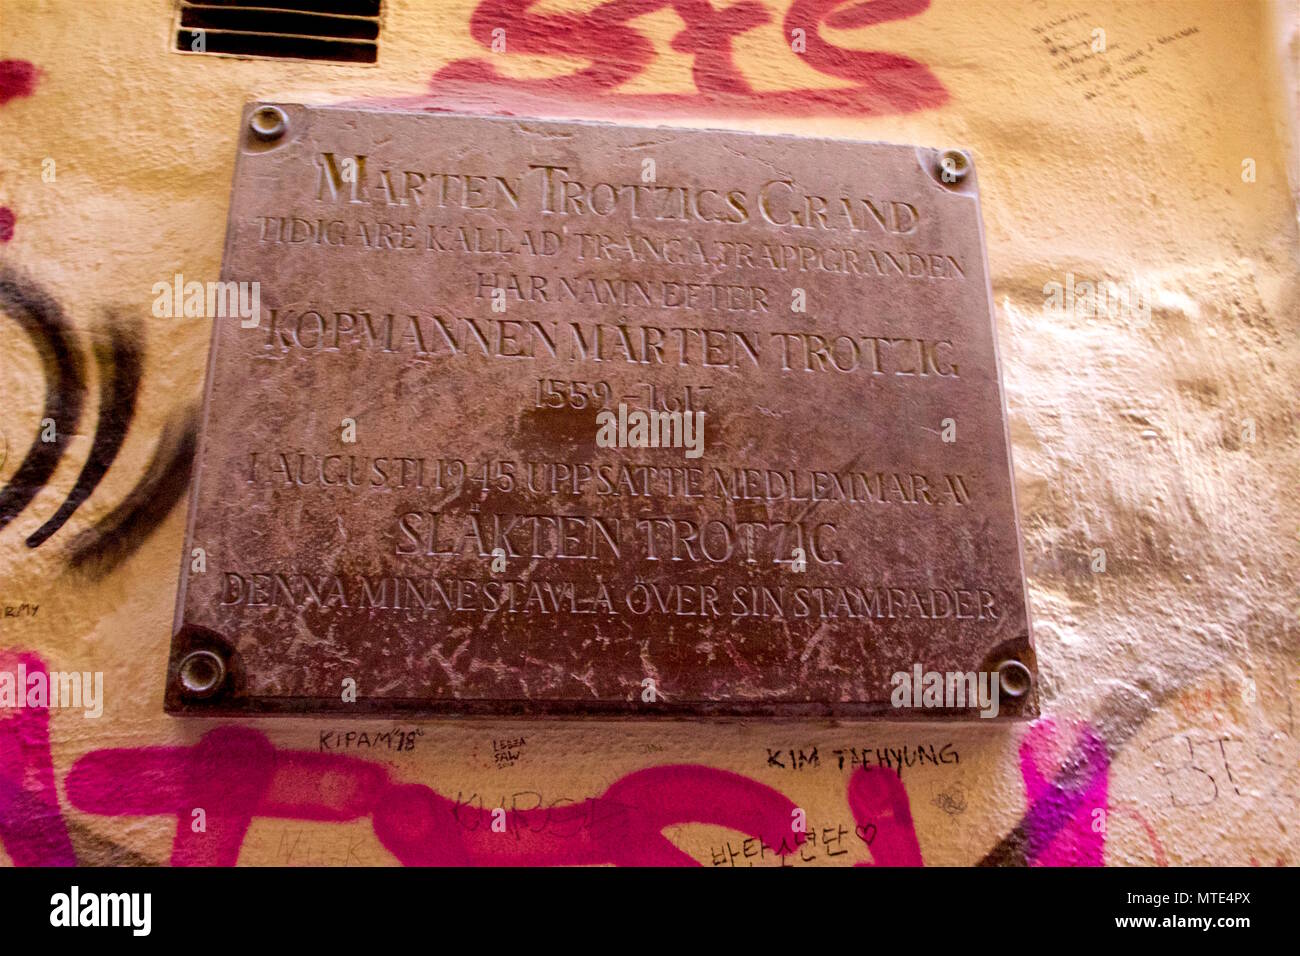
(859, 82)
(234, 775)
(119, 360)
(1201, 767)
(882, 821)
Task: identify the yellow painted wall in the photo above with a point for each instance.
(1170, 442)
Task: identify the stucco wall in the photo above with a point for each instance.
(1166, 439)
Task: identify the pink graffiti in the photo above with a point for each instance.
(235, 774)
(883, 814)
(1066, 770)
(31, 826)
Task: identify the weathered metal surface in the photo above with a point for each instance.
(447, 307)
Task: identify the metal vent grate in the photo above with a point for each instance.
(345, 31)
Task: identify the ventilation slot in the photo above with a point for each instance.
(345, 31)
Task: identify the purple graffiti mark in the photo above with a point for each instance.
(1066, 770)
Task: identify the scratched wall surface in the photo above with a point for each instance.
(1165, 441)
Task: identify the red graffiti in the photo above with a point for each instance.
(873, 83)
(17, 78)
(1130, 810)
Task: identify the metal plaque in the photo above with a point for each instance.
(507, 417)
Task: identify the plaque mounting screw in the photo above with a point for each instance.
(1014, 678)
(202, 673)
(954, 166)
(268, 122)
